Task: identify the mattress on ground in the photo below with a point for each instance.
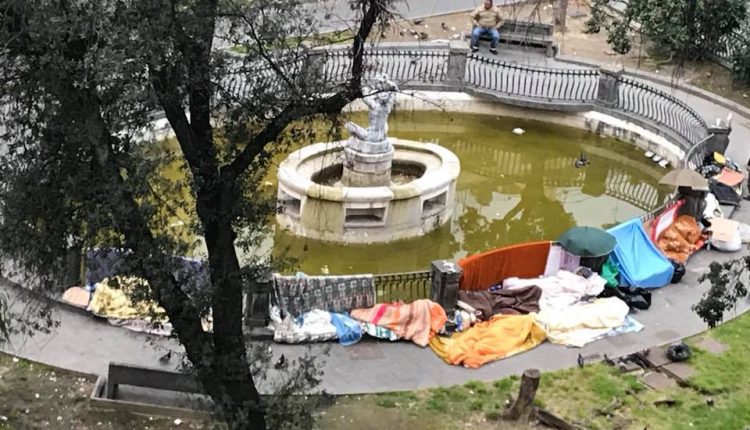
(640, 262)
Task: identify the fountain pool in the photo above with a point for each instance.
(511, 188)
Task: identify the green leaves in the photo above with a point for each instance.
(727, 288)
(689, 28)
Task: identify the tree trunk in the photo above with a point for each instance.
(561, 13)
(522, 410)
(230, 368)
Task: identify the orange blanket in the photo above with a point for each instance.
(500, 337)
(417, 321)
(681, 239)
(525, 260)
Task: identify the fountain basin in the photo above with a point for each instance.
(315, 204)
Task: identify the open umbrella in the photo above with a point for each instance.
(587, 241)
(685, 178)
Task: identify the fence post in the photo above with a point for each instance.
(719, 140)
(608, 95)
(444, 289)
(315, 63)
(457, 52)
(257, 300)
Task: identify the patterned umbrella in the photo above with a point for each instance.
(587, 241)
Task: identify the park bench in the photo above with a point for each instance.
(144, 377)
(526, 34)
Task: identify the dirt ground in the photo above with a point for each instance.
(34, 396)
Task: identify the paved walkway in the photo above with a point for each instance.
(85, 344)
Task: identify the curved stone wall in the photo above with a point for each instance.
(366, 214)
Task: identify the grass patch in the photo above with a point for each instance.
(595, 397)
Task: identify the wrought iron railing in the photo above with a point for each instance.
(662, 109)
(407, 286)
(695, 155)
(568, 85)
(428, 66)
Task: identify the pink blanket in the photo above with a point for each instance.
(418, 321)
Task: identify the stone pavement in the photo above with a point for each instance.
(85, 344)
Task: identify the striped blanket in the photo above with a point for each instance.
(418, 321)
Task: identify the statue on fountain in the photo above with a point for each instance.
(380, 103)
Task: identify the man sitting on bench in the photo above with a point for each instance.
(486, 19)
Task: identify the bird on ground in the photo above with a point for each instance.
(418, 21)
(401, 33)
(280, 363)
(608, 360)
(444, 26)
(166, 357)
(580, 361)
(582, 160)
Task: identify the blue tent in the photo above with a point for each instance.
(640, 262)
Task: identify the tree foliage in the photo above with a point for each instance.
(690, 29)
(79, 82)
(728, 285)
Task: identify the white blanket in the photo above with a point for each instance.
(562, 290)
(313, 326)
(582, 323)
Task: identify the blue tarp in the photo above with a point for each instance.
(640, 262)
(348, 330)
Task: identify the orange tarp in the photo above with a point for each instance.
(500, 337)
(525, 260)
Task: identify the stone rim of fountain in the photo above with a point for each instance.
(433, 180)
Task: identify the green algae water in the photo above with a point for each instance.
(512, 189)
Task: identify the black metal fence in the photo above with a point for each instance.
(568, 85)
(410, 65)
(662, 109)
(407, 286)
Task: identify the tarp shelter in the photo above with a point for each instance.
(640, 262)
(525, 260)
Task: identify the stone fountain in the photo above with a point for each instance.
(371, 187)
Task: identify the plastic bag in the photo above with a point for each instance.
(713, 208)
(733, 245)
(679, 271)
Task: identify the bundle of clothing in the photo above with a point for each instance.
(315, 326)
(418, 321)
(116, 299)
(520, 314)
